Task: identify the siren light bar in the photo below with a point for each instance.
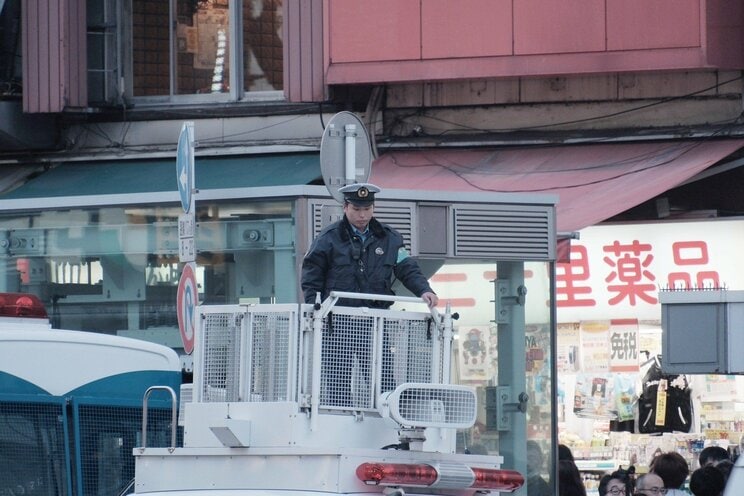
(21, 305)
(426, 475)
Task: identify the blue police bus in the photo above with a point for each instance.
(71, 404)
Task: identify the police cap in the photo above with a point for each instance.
(360, 194)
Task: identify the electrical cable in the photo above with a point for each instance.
(453, 168)
(563, 123)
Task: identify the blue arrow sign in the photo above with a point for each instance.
(184, 165)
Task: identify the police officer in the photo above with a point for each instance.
(358, 254)
(361, 255)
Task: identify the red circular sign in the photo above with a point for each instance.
(188, 298)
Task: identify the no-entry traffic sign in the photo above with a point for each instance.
(188, 298)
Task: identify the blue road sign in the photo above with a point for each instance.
(185, 165)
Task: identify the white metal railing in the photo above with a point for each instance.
(321, 356)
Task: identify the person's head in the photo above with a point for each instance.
(564, 453)
(359, 203)
(650, 484)
(569, 479)
(707, 481)
(724, 466)
(672, 468)
(618, 483)
(713, 454)
(535, 457)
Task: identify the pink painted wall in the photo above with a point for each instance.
(558, 26)
(481, 27)
(363, 31)
(414, 40)
(632, 24)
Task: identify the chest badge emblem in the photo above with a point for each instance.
(379, 251)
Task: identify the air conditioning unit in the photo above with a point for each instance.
(702, 331)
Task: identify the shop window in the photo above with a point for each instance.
(103, 60)
(200, 50)
(116, 269)
(263, 61)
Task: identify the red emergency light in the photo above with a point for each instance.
(21, 305)
(425, 475)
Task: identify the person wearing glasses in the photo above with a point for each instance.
(650, 485)
(618, 483)
(673, 469)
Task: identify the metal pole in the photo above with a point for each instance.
(174, 413)
(350, 141)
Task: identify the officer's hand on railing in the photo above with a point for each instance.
(431, 299)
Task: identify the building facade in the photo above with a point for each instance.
(623, 109)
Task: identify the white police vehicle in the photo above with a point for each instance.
(297, 399)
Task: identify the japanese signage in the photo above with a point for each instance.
(616, 271)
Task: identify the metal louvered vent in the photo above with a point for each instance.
(504, 232)
(317, 218)
(461, 230)
(399, 217)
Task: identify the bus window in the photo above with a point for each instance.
(32, 454)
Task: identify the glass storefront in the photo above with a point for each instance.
(505, 345)
(116, 269)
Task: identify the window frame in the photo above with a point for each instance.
(237, 91)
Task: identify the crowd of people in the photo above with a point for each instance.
(668, 473)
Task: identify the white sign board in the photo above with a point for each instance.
(345, 153)
(616, 271)
(186, 242)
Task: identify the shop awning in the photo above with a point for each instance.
(154, 176)
(593, 182)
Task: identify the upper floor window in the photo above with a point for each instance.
(185, 50)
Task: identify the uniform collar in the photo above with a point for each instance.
(362, 234)
(374, 227)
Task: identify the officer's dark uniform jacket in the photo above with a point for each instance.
(338, 260)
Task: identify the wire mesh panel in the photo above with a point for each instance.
(365, 352)
(270, 355)
(106, 435)
(347, 358)
(406, 352)
(32, 449)
(219, 354)
(248, 353)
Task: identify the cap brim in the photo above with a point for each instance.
(360, 203)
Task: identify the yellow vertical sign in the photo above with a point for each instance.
(661, 403)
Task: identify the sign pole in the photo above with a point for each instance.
(188, 293)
